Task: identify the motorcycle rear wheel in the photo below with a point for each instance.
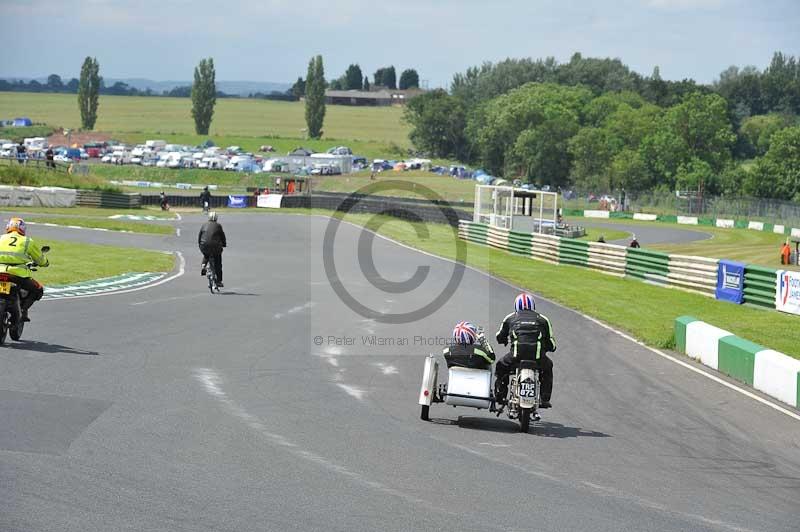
(3, 327)
(15, 331)
(524, 419)
(424, 413)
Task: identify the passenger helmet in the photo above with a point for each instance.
(465, 333)
(524, 302)
(16, 225)
(212, 216)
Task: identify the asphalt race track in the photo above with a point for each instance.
(274, 406)
(649, 234)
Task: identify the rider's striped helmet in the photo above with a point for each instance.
(465, 333)
(16, 225)
(524, 302)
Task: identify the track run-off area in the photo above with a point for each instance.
(276, 406)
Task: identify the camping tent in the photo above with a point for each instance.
(22, 122)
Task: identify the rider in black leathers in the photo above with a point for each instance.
(205, 197)
(531, 337)
(211, 241)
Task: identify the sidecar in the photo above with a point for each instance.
(468, 387)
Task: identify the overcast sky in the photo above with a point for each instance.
(272, 40)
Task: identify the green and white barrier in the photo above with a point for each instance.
(766, 370)
(696, 274)
(725, 223)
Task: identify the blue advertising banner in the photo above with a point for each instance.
(730, 281)
(237, 202)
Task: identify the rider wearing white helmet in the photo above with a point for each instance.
(531, 337)
(465, 352)
(211, 240)
(16, 250)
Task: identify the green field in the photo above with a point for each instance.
(235, 118)
(624, 303)
(72, 262)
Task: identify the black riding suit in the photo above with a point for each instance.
(205, 196)
(211, 241)
(531, 337)
(469, 356)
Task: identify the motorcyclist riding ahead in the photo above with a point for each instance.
(211, 240)
(205, 199)
(531, 337)
(16, 250)
(464, 352)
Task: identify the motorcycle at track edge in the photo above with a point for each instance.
(11, 293)
(470, 387)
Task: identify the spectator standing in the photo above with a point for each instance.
(48, 155)
(786, 253)
(21, 153)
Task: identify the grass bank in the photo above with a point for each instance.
(17, 134)
(645, 311)
(105, 223)
(14, 174)
(72, 262)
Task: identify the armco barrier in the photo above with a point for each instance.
(178, 200)
(759, 286)
(116, 200)
(607, 258)
(647, 265)
(575, 252)
(698, 274)
(396, 207)
(769, 371)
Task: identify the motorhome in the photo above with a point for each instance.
(35, 143)
(156, 144)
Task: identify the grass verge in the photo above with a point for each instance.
(72, 262)
(745, 245)
(90, 212)
(645, 311)
(104, 223)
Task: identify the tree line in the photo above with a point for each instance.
(56, 85)
(596, 125)
(354, 79)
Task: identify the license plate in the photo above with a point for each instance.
(5, 287)
(527, 389)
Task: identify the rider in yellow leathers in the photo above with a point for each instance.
(16, 250)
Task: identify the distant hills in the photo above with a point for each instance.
(240, 88)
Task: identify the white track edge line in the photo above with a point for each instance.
(181, 271)
(700, 371)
